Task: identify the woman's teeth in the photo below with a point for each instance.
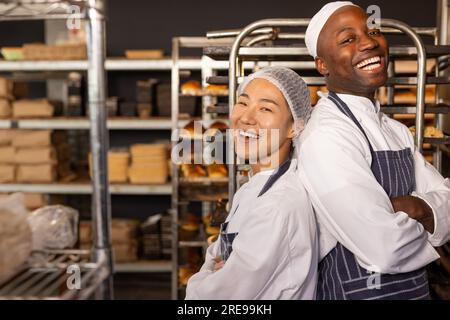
(370, 64)
(247, 134)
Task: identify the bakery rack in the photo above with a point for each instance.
(96, 266)
(48, 277)
(239, 52)
(180, 184)
(209, 74)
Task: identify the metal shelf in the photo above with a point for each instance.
(219, 109)
(111, 64)
(84, 124)
(434, 109)
(144, 266)
(121, 64)
(45, 276)
(437, 141)
(295, 53)
(86, 188)
(204, 181)
(192, 244)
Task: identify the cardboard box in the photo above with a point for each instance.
(7, 173)
(7, 155)
(32, 138)
(6, 136)
(36, 173)
(44, 155)
(36, 108)
(35, 200)
(5, 109)
(155, 173)
(144, 150)
(124, 230)
(125, 252)
(6, 87)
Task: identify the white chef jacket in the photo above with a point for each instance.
(350, 205)
(275, 253)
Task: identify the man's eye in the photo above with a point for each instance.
(242, 103)
(348, 40)
(264, 109)
(375, 32)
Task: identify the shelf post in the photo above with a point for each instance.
(101, 201)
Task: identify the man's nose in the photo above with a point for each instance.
(367, 43)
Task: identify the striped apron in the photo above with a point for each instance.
(340, 276)
(227, 238)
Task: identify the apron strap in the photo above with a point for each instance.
(342, 106)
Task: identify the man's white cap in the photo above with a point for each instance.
(318, 21)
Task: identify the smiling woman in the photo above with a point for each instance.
(270, 230)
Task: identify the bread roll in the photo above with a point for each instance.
(193, 171)
(217, 170)
(191, 87)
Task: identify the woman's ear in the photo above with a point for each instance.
(321, 66)
(291, 132)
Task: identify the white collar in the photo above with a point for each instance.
(365, 103)
(362, 103)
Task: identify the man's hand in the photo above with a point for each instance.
(416, 209)
(219, 264)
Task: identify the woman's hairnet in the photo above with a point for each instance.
(293, 88)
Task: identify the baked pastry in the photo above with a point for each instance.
(216, 126)
(192, 87)
(217, 170)
(430, 132)
(190, 131)
(193, 171)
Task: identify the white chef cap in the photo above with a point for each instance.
(318, 21)
(293, 88)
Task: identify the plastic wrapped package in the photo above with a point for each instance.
(15, 235)
(54, 227)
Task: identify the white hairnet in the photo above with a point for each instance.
(293, 88)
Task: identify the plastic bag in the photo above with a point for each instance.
(54, 227)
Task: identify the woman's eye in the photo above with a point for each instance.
(264, 109)
(242, 103)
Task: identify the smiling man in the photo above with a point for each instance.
(380, 206)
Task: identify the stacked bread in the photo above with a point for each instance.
(118, 160)
(32, 108)
(34, 156)
(6, 88)
(148, 163)
(123, 238)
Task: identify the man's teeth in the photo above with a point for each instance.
(365, 64)
(248, 134)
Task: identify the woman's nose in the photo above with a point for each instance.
(248, 116)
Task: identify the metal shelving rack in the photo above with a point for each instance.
(207, 68)
(46, 277)
(83, 123)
